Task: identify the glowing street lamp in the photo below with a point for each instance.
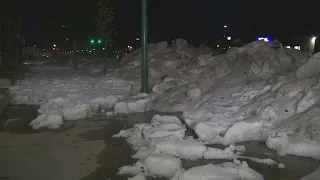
(313, 40)
(229, 38)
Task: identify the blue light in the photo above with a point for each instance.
(265, 38)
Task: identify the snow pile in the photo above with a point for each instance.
(161, 144)
(67, 95)
(258, 92)
(280, 110)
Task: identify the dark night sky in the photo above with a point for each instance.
(199, 20)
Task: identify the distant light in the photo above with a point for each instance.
(67, 39)
(229, 47)
(54, 45)
(99, 41)
(297, 47)
(225, 26)
(34, 45)
(103, 48)
(229, 38)
(138, 39)
(94, 49)
(313, 40)
(218, 45)
(77, 50)
(53, 48)
(265, 38)
(63, 25)
(288, 47)
(82, 50)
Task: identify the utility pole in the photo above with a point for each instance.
(144, 49)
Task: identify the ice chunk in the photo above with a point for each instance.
(214, 153)
(134, 105)
(194, 93)
(105, 103)
(185, 149)
(136, 169)
(208, 131)
(50, 121)
(228, 171)
(61, 101)
(163, 165)
(137, 177)
(244, 131)
(75, 113)
(157, 120)
(307, 101)
(312, 67)
(174, 130)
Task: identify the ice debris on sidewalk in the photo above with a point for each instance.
(226, 170)
(135, 104)
(161, 144)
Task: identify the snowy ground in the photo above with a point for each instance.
(259, 92)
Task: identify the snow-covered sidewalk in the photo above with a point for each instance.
(65, 94)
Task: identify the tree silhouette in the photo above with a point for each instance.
(104, 20)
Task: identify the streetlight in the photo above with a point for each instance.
(144, 48)
(54, 45)
(225, 26)
(313, 40)
(229, 38)
(138, 39)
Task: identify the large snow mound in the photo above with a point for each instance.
(258, 92)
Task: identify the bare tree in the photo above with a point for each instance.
(105, 24)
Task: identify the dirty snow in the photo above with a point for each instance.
(258, 92)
